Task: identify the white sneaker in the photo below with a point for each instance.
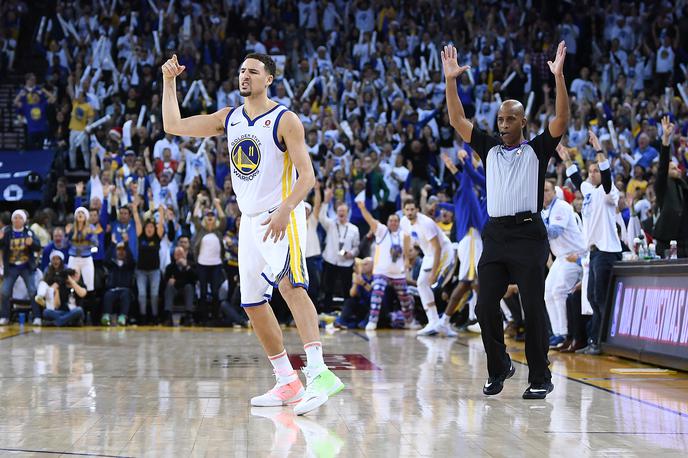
(321, 383)
(475, 328)
(430, 329)
(371, 326)
(446, 329)
(37, 322)
(4, 321)
(413, 325)
(281, 394)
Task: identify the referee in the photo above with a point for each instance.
(515, 247)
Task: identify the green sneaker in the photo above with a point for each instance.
(105, 320)
(320, 385)
(121, 320)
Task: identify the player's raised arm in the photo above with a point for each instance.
(452, 71)
(193, 126)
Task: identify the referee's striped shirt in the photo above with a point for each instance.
(515, 176)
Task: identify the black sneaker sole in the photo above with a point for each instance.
(528, 394)
(499, 385)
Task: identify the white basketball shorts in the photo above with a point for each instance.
(263, 264)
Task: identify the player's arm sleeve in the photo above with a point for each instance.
(606, 173)
(574, 175)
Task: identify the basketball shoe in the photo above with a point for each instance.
(285, 392)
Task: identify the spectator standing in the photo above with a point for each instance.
(672, 198)
(180, 282)
(149, 236)
(567, 245)
(82, 114)
(19, 247)
(32, 102)
(313, 249)
(341, 247)
(82, 242)
(120, 265)
(207, 249)
(392, 246)
(600, 198)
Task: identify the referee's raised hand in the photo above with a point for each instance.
(171, 69)
(557, 67)
(450, 64)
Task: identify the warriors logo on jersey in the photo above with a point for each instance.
(246, 156)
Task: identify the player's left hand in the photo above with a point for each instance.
(557, 67)
(277, 225)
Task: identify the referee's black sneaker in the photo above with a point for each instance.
(538, 390)
(494, 385)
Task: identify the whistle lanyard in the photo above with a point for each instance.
(339, 235)
(551, 207)
(504, 148)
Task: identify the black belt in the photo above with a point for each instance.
(518, 218)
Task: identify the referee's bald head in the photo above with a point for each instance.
(511, 120)
(512, 106)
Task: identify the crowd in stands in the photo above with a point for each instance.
(154, 229)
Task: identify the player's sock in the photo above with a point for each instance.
(431, 312)
(283, 368)
(444, 319)
(314, 355)
(472, 302)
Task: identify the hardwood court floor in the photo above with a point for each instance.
(185, 392)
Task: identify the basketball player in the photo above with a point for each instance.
(564, 231)
(469, 218)
(271, 175)
(438, 261)
(392, 246)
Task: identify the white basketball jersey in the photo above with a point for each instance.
(423, 231)
(386, 242)
(262, 172)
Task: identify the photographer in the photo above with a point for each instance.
(68, 290)
(48, 287)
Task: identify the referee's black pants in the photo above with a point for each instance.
(514, 253)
